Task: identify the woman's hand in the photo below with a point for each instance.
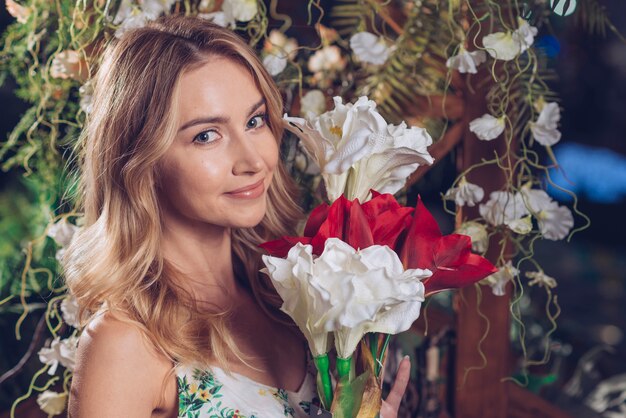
(390, 406)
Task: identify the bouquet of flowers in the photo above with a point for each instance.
(365, 263)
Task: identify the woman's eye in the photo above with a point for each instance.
(257, 121)
(205, 137)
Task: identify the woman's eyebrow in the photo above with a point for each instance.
(219, 119)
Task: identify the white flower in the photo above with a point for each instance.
(69, 309)
(62, 232)
(503, 208)
(524, 35)
(313, 104)
(327, 58)
(60, 352)
(521, 226)
(507, 46)
(369, 48)
(477, 232)
(52, 403)
(349, 292)
(241, 10)
(500, 278)
(357, 150)
(545, 129)
(68, 64)
(541, 279)
(466, 62)
(554, 221)
(274, 64)
(86, 97)
(465, 193)
(132, 16)
(278, 50)
(487, 127)
(18, 11)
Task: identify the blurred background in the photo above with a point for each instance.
(589, 345)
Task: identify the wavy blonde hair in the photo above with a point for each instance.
(115, 262)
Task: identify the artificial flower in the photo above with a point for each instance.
(52, 403)
(487, 127)
(477, 233)
(498, 280)
(521, 226)
(274, 64)
(241, 10)
(355, 136)
(60, 352)
(131, 16)
(554, 221)
(465, 193)
(327, 35)
(69, 310)
(369, 48)
(352, 291)
(68, 64)
(19, 12)
(62, 232)
(313, 104)
(503, 208)
(502, 45)
(278, 50)
(541, 279)
(466, 62)
(524, 35)
(86, 97)
(545, 129)
(327, 58)
(291, 277)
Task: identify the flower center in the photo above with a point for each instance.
(337, 131)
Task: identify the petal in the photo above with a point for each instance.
(423, 234)
(316, 218)
(358, 231)
(475, 269)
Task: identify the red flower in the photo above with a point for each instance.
(382, 220)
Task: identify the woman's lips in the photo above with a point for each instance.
(249, 192)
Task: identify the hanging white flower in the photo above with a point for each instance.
(501, 45)
(278, 49)
(524, 35)
(498, 280)
(69, 310)
(465, 193)
(19, 12)
(313, 104)
(369, 48)
(274, 64)
(52, 403)
(545, 130)
(478, 234)
(466, 62)
(503, 208)
(60, 352)
(132, 16)
(521, 226)
(62, 232)
(487, 127)
(347, 291)
(541, 279)
(86, 97)
(241, 10)
(357, 150)
(68, 64)
(554, 221)
(327, 58)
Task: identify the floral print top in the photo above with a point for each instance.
(212, 393)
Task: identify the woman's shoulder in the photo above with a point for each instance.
(117, 368)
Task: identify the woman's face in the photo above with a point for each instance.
(220, 165)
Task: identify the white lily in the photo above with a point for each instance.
(541, 279)
(466, 62)
(349, 292)
(369, 48)
(545, 130)
(357, 150)
(52, 403)
(487, 127)
(465, 193)
(478, 234)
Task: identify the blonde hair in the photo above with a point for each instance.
(115, 262)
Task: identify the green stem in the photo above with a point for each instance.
(323, 380)
(343, 368)
(379, 360)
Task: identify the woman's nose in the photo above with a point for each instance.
(246, 157)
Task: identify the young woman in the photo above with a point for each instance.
(180, 182)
